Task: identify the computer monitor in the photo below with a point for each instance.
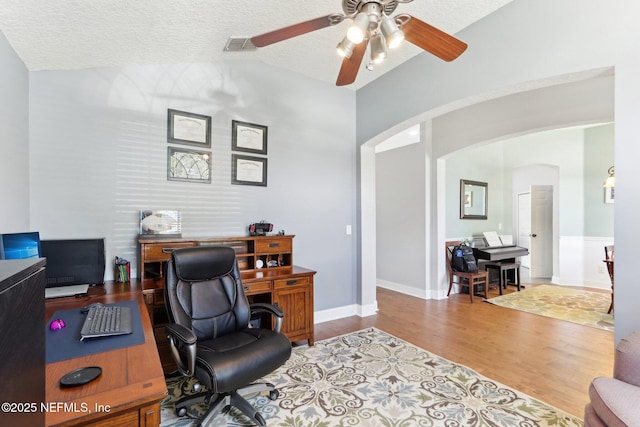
(20, 245)
(74, 261)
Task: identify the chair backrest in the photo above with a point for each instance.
(609, 253)
(203, 291)
(448, 248)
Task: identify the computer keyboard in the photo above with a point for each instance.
(106, 321)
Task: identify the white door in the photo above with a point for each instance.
(524, 226)
(541, 248)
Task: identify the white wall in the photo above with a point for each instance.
(14, 140)
(400, 213)
(99, 155)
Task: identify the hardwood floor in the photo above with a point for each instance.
(551, 360)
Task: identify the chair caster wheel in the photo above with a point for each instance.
(181, 412)
(260, 421)
(273, 394)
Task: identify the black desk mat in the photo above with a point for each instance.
(65, 343)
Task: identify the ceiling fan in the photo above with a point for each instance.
(372, 26)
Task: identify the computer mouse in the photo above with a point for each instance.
(57, 324)
(86, 308)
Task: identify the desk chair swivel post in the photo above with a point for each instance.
(210, 335)
(465, 279)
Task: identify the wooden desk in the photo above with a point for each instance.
(285, 284)
(132, 384)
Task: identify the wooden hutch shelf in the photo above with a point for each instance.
(267, 272)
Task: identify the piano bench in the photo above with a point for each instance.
(503, 269)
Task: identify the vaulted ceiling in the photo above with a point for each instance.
(76, 34)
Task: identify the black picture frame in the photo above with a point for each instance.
(249, 137)
(248, 170)
(188, 165)
(188, 128)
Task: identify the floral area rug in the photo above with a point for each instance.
(369, 378)
(573, 305)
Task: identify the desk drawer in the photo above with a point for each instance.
(271, 246)
(293, 281)
(162, 252)
(257, 287)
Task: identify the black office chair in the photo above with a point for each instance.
(210, 334)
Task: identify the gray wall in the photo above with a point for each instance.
(99, 155)
(548, 43)
(483, 164)
(14, 140)
(598, 157)
(400, 212)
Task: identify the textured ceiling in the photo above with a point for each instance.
(75, 34)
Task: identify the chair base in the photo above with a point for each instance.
(219, 402)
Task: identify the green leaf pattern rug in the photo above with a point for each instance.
(564, 303)
(370, 379)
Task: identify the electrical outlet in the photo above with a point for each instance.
(348, 230)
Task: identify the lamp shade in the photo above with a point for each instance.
(345, 48)
(611, 179)
(378, 48)
(358, 29)
(392, 34)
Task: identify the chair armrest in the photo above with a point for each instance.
(182, 338)
(261, 307)
(627, 359)
(184, 335)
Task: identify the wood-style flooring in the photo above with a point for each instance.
(551, 360)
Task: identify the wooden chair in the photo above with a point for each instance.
(608, 259)
(470, 280)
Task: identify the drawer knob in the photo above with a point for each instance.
(274, 245)
(246, 288)
(291, 282)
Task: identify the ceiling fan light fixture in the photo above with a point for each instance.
(378, 48)
(358, 29)
(392, 34)
(345, 48)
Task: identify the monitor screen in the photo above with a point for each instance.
(20, 245)
(74, 262)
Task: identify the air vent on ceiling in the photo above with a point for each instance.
(239, 44)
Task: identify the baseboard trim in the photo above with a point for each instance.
(345, 311)
(403, 289)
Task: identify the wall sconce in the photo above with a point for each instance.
(611, 180)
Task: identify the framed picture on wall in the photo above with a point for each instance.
(188, 165)
(248, 170)
(188, 128)
(248, 137)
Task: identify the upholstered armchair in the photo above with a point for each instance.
(615, 402)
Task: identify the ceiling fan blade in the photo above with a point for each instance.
(296, 30)
(431, 39)
(350, 66)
